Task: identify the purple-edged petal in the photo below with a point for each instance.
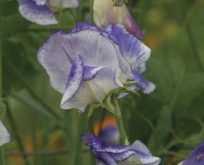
(144, 84)
(91, 72)
(81, 99)
(63, 3)
(196, 157)
(105, 13)
(124, 67)
(133, 50)
(93, 90)
(4, 135)
(74, 81)
(36, 13)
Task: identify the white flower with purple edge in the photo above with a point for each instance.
(88, 63)
(4, 135)
(109, 154)
(42, 11)
(196, 157)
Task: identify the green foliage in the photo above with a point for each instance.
(2, 110)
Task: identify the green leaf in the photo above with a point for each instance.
(2, 109)
(162, 131)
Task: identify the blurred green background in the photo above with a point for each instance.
(170, 120)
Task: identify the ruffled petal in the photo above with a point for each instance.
(81, 99)
(132, 49)
(54, 56)
(36, 12)
(124, 70)
(64, 3)
(105, 13)
(92, 90)
(140, 147)
(146, 159)
(4, 135)
(74, 81)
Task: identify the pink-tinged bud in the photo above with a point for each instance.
(105, 12)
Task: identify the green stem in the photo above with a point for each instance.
(190, 35)
(91, 10)
(91, 129)
(1, 69)
(2, 161)
(2, 158)
(78, 143)
(16, 135)
(120, 123)
(142, 13)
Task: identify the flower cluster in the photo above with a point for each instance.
(89, 62)
(86, 64)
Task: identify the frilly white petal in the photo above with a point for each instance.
(55, 58)
(138, 145)
(150, 160)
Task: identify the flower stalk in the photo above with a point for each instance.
(118, 116)
(91, 11)
(77, 151)
(2, 160)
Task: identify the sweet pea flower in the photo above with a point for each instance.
(88, 63)
(4, 135)
(42, 11)
(108, 154)
(106, 12)
(196, 157)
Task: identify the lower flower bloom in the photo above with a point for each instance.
(196, 157)
(4, 135)
(109, 154)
